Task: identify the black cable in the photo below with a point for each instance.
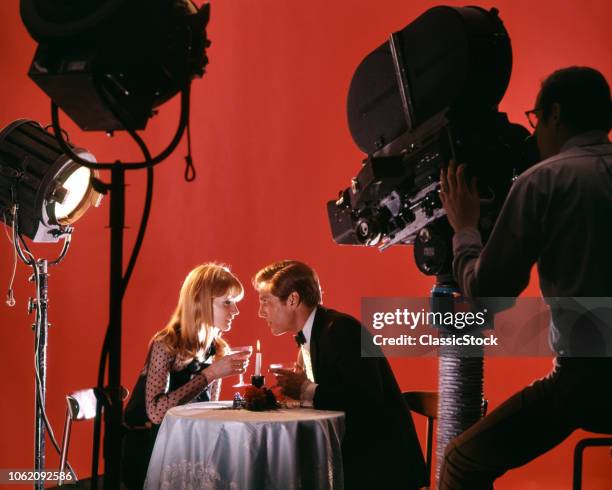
(128, 273)
(148, 164)
(190, 171)
(183, 118)
(126, 278)
(25, 246)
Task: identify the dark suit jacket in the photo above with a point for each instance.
(380, 447)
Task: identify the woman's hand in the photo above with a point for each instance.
(461, 202)
(229, 365)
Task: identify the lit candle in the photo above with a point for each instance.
(258, 361)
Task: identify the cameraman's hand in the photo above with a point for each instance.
(461, 203)
(229, 365)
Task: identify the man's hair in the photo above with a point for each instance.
(287, 276)
(583, 95)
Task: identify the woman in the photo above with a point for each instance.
(185, 363)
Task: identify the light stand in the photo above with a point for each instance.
(114, 413)
(113, 391)
(41, 328)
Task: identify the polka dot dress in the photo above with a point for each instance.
(158, 397)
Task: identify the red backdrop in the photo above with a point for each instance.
(271, 145)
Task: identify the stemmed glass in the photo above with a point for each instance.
(290, 366)
(237, 350)
(285, 401)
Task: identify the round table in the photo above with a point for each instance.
(211, 446)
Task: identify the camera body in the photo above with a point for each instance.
(414, 104)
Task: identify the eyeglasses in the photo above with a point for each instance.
(533, 117)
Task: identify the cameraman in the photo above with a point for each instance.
(558, 214)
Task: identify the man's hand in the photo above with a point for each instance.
(461, 203)
(290, 382)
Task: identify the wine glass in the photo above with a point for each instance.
(290, 366)
(237, 350)
(285, 402)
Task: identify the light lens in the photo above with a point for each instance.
(76, 186)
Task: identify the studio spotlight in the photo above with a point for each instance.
(50, 191)
(108, 64)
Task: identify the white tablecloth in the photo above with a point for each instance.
(210, 446)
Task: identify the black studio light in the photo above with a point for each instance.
(109, 63)
(46, 189)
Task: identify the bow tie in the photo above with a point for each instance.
(300, 339)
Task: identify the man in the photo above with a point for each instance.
(558, 215)
(380, 448)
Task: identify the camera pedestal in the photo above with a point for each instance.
(460, 380)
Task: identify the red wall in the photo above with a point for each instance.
(271, 145)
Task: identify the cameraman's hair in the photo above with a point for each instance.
(287, 276)
(584, 96)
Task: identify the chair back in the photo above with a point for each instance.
(423, 402)
(581, 445)
(81, 405)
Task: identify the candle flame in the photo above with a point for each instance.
(258, 346)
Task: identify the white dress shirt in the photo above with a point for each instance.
(308, 387)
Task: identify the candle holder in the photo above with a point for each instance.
(258, 381)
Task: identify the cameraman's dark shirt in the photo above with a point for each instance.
(558, 214)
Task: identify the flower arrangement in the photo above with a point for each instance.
(259, 399)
